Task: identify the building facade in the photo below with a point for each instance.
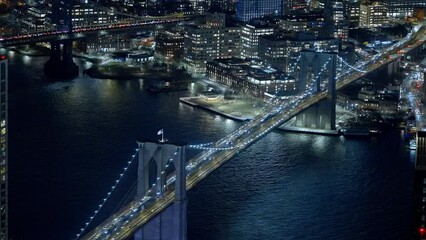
(403, 8)
(373, 14)
(313, 22)
(352, 12)
(208, 42)
(169, 44)
(250, 39)
(3, 149)
(36, 19)
(249, 78)
(107, 43)
(277, 50)
(87, 15)
(251, 9)
(336, 24)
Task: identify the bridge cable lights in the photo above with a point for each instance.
(200, 145)
(149, 194)
(347, 64)
(107, 197)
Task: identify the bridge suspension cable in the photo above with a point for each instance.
(354, 68)
(167, 166)
(83, 229)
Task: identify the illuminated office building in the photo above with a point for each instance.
(250, 38)
(211, 41)
(312, 22)
(336, 24)
(403, 8)
(251, 9)
(373, 14)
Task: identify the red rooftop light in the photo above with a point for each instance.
(422, 230)
(2, 57)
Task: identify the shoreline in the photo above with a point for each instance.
(26, 53)
(93, 72)
(187, 101)
(283, 128)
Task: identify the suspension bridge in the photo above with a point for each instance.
(129, 219)
(95, 29)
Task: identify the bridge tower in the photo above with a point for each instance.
(171, 224)
(318, 69)
(60, 64)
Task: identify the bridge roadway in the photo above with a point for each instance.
(124, 223)
(81, 32)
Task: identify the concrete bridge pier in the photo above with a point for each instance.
(393, 69)
(388, 71)
(170, 224)
(60, 64)
(322, 115)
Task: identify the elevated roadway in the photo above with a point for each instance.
(82, 32)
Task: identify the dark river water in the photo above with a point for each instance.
(69, 140)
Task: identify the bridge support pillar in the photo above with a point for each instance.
(322, 115)
(171, 224)
(393, 69)
(60, 64)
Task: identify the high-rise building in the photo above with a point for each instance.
(372, 14)
(336, 23)
(169, 44)
(205, 43)
(61, 13)
(250, 38)
(250, 9)
(403, 8)
(300, 21)
(352, 11)
(277, 50)
(3, 150)
(35, 19)
(250, 77)
(88, 15)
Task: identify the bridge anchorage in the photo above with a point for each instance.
(60, 64)
(321, 67)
